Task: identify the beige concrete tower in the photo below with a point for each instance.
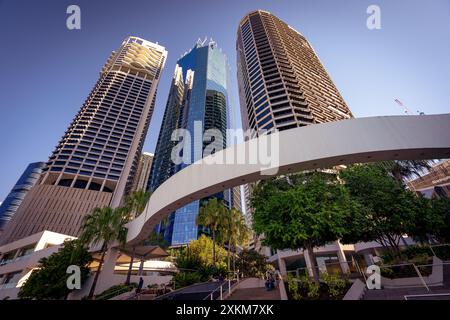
(282, 83)
(94, 163)
(143, 172)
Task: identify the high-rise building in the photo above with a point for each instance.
(142, 172)
(163, 167)
(435, 182)
(282, 83)
(94, 163)
(13, 200)
(198, 98)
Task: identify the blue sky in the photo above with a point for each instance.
(47, 70)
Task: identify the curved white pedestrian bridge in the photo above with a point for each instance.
(314, 146)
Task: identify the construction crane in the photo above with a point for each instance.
(406, 110)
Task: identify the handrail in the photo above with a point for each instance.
(427, 295)
(115, 292)
(211, 294)
(178, 290)
(421, 278)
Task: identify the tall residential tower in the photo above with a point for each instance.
(94, 163)
(282, 83)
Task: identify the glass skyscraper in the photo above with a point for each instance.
(198, 96)
(13, 200)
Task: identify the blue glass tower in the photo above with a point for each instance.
(26, 181)
(202, 101)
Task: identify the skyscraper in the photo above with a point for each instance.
(142, 172)
(282, 83)
(163, 167)
(13, 200)
(94, 163)
(198, 98)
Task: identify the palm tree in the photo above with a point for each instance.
(211, 216)
(400, 169)
(234, 231)
(103, 225)
(135, 204)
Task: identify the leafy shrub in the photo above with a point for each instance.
(293, 287)
(115, 291)
(188, 262)
(184, 279)
(442, 252)
(310, 287)
(414, 254)
(302, 287)
(49, 280)
(252, 264)
(336, 286)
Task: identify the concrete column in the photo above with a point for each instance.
(309, 264)
(141, 267)
(104, 281)
(16, 254)
(342, 258)
(282, 266)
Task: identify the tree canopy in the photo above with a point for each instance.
(49, 281)
(305, 213)
(302, 211)
(388, 209)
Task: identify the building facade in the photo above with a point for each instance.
(94, 163)
(282, 83)
(435, 183)
(163, 167)
(13, 200)
(143, 172)
(197, 102)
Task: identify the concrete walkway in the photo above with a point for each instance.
(255, 294)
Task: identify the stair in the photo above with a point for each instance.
(254, 289)
(255, 294)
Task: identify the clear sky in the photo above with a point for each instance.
(47, 71)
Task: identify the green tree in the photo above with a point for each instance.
(233, 231)
(156, 239)
(207, 251)
(388, 210)
(252, 264)
(441, 208)
(304, 211)
(195, 262)
(401, 169)
(104, 225)
(49, 281)
(211, 216)
(429, 219)
(135, 204)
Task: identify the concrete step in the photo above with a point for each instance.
(255, 294)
